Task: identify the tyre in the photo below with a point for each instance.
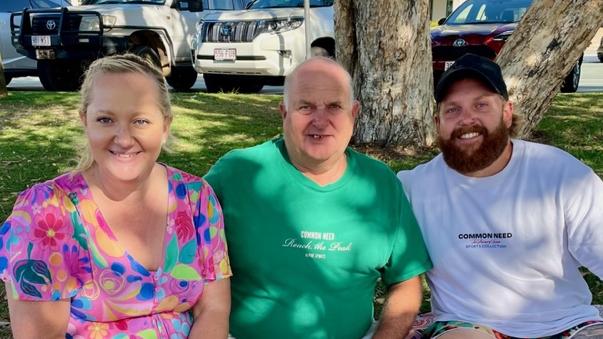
(248, 84)
(147, 53)
(58, 75)
(231, 83)
(570, 84)
(182, 78)
(7, 79)
(600, 56)
(217, 83)
(320, 51)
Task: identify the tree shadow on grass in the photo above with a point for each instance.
(207, 126)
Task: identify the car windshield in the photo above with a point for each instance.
(287, 3)
(106, 2)
(19, 5)
(224, 4)
(488, 11)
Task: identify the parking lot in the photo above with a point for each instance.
(591, 80)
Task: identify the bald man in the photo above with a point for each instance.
(312, 224)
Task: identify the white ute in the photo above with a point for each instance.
(66, 40)
(244, 50)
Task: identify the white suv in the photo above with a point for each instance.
(247, 49)
(66, 40)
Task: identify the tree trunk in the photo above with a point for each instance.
(3, 90)
(385, 45)
(548, 41)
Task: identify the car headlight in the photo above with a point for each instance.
(503, 36)
(279, 25)
(90, 23)
(17, 19)
(109, 20)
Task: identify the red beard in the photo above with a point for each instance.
(468, 161)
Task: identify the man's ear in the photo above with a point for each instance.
(283, 109)
(508, 113)
(355, 109)
(436, 120)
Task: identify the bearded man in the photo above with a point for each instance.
(507, 222)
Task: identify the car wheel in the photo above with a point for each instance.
(570, 84)
(7, 79)
(147, 53)
(60, 75)
(600, 56)
(320, 51)
(182, 78)
(216, 83)
(245, 84)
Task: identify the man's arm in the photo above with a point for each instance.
(401, 308)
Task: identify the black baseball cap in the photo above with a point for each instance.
(472, 66)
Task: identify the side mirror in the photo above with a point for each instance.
(441, 21)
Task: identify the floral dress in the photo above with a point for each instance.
(57, 245)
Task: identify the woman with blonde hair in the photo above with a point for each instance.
(123, 246)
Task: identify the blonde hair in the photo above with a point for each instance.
(117, 64)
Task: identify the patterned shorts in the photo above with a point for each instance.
(440, 327)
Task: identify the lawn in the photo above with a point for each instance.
(40, 135)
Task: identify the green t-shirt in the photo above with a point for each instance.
(306, 258)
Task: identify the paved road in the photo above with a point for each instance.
(591, 80)
(33, 84)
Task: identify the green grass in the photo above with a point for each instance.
(40, 135)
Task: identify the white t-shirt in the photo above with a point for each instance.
(506, 248)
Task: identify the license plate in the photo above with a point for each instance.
(447, 64)
(45, 54)
(225, 54)
(40, 40)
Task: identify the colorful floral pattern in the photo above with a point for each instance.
(57, 245)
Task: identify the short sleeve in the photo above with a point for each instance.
(409, 256)
(39, 254)
(209, 223)
(582, 197)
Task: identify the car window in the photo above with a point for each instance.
(107, 2)
(489, 11)
(225, 4)
(287, 3)
(49, 3)
(461, 14)
(19, 5)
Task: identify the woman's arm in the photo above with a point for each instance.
(38, 319)
(212, 310)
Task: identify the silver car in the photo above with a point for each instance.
(15, 64)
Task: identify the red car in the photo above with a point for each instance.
(482, 27)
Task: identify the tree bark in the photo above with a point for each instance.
(3, 90)
(548, 41)
(385, 45)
